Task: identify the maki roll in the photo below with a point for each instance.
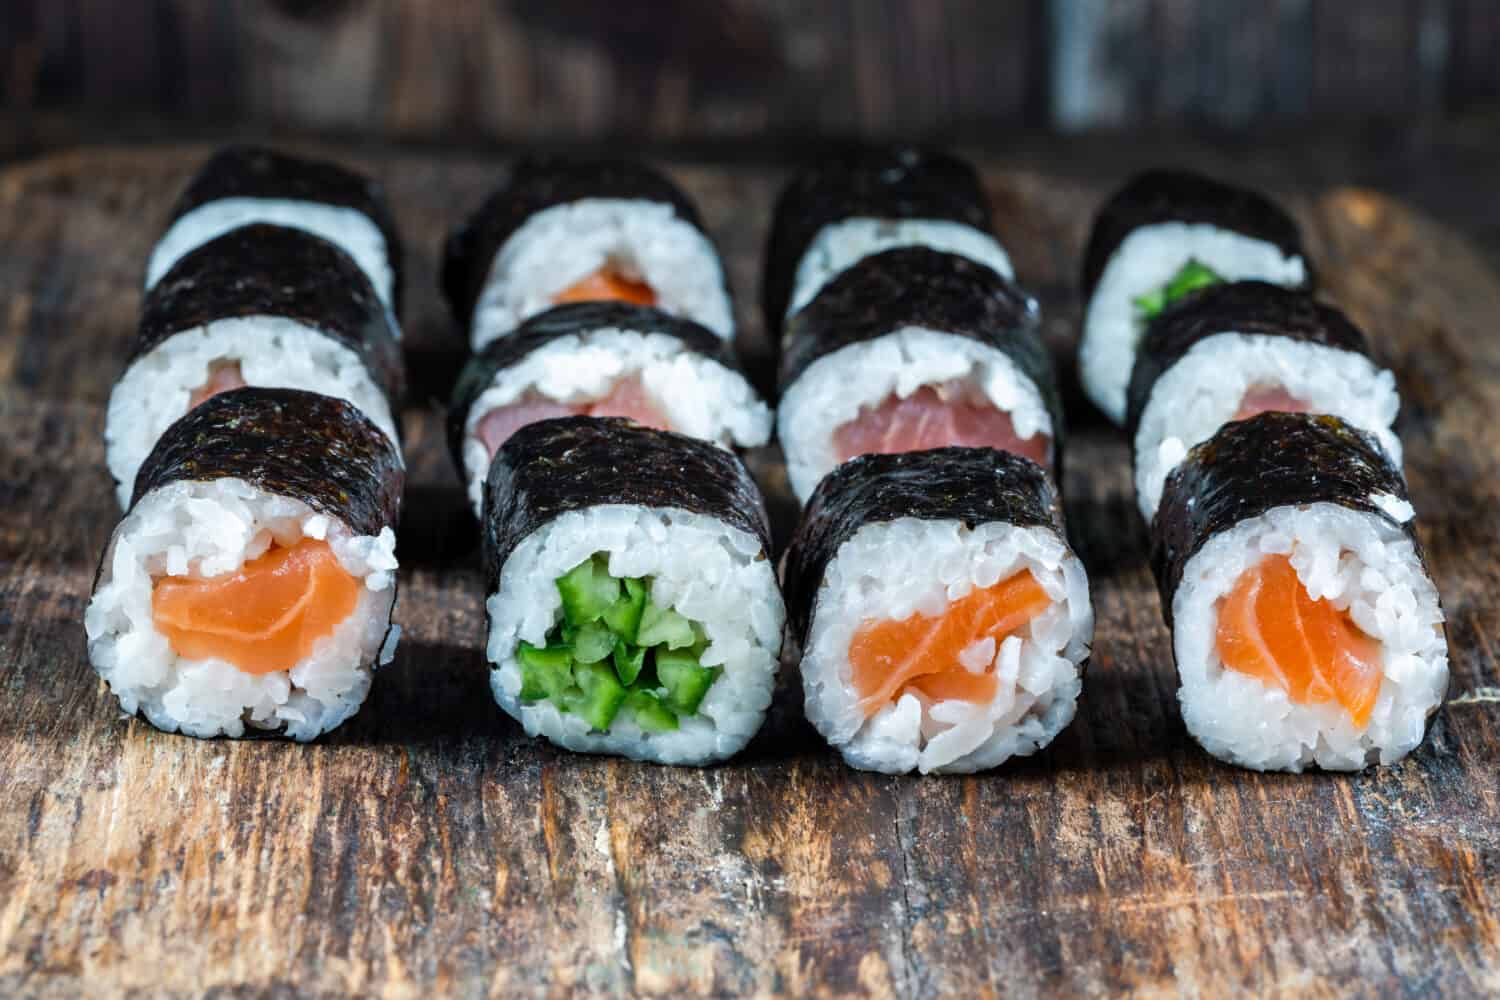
(602, 359)
(633, 609)
(911, 349)
(1234, 350)
(1163, 235)
(941, 618)
(852, 206)
(261, 305)
(244, 185)
(249, 588)
(561, 230)
(1304, 624)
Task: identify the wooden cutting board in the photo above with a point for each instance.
(429, 846)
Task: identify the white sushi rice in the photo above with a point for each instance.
(644, 241)
(840, 245)
(892, 570)
(208, 529)
(835, 388)
(699, 396)
(272, 352)
(1360, 563)
(709, 572)
(1146, 260)
(1203, 390)
(349, 229)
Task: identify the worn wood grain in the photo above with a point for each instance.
(429, 847)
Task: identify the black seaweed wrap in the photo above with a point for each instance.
(883, 183)
(1253, 307)
(532, 184)
(266, 270)
(1178, 196)
(1253, 466)
(552, 467)
(317, 449)
(257, 172)
(974, 486)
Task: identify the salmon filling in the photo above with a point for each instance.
(222, 376)
(627, 398)
(1271, 629)
(922, 653)
(607, 285)
(263, 617)
(935, 417)
(1269, 399)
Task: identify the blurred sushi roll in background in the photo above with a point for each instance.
(941, 619)
(1233, 350)
(560, 230)
(633, 608)
(1161, 236)
(249, 588)
(1305, 627)
(603, 359)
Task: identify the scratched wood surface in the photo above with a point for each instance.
(430, 847)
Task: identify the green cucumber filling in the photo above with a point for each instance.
(1192, 276)
(615, 650)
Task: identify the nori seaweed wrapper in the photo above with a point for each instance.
(1157, 196)
(974, 486)
(1251, 307)
(1253, 466)
(317, 449)
(243, 171)
(883, 183)
(264, 270)
(576, 318)
(552, 467)
(532, 184)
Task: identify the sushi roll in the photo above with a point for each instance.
(248, 590)
(633, 608)
(941, 619)
(261, 305)
(850, 207)
(911, 349)
(1233, 350)
(1305, 627)
(561, 230)
(1163, 235)
(245, 185)
(602, 359)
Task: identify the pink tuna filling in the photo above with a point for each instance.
(938, 416)
(628, 398)
(222, 376)
(1269, 399)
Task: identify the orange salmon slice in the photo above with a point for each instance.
(607, 285)
(222, 376)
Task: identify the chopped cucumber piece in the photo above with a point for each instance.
(600, 695)
(628, 661)
(624, 616)
(545, 673)
(686, 682)
(1191, 277)
(587, 591)
(594, 642)
(650, 714)
(664, 627)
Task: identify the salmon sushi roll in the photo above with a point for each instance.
(941, 620)
(1305, 627)
(249, 588)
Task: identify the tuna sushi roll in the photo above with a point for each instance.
(1234, 350)
(912, 349)
(245, 185)
(1305, 627)
(633, 608)
(248, 590)
(941, 619)
(602, 359)
(1163, 235)
(261, 305)
(560, 230)
(850, 207)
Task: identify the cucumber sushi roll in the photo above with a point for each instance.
(1305, 627)
(633, 608)
(852, 206)
(261, 305)
(245, 185)
(911, 349)
(941, 619)
(1163, 235)
(561, 230)
(602, 359)
(248, 590)
(1234, 350)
